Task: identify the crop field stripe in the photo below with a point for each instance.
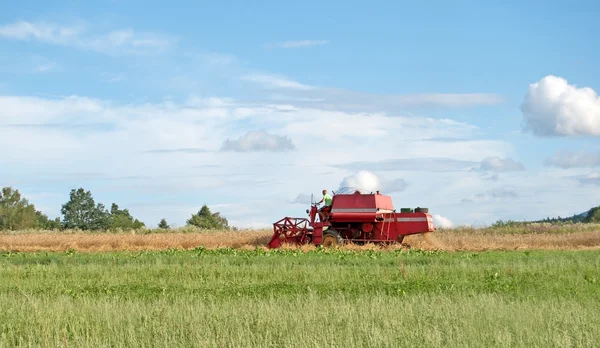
(449, 240)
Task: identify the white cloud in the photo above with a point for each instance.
(127, 41)
(46, 67)
(497, 164)
(258, 141)
(367, 182)
(553, 107)
(325, 98)
(303, 43)
(340, 99)
(275, 81)
(442, 222)
(364, 181)
(112, 78)
(492, 195)
(45, 32)
(121, 41)
(411, 164)
(570, 159)
(218, 59)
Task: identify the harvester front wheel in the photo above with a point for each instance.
(331, 238)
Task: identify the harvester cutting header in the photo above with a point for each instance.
(352, 217)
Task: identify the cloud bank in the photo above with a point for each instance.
(571, 159)
(259, 141)
(497, 164)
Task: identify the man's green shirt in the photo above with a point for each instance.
(327, 199)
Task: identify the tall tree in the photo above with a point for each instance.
(15, 211)
(123, 219)
(82, 212)
(204, 219)
(163, 224)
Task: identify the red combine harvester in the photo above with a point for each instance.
(358, 218)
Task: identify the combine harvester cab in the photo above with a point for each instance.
(357, 218)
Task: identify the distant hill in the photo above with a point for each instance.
(590, 216)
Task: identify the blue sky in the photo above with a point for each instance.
(478, 111)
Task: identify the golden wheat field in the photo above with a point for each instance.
(522, 238)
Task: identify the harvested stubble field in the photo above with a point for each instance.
(542, 237)
(72, 289)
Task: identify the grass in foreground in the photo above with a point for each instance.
(241, 298)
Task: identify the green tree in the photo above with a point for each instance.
(45, 223)
(593, 215)
(204, 219)
(163, 224)
(82, 212)
(123, 219)
(15, 211)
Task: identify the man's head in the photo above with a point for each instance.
(324, 192)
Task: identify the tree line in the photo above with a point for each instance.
(589, 217)
(83, 213)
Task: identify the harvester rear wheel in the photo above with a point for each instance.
(331, 238)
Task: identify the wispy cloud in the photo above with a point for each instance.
(112, 78)
(275, 81)
(569, 159)
(91, 126)
(121, 41)
(491, 195)
(497, 164)
(259, 141)
(46, 67)
(183, 150)
(589, 179)
(45, 32)
(286, 90)
(394, 185)
(432, 164)
(302, 43)
(301, 198)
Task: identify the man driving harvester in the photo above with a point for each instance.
(326, 208)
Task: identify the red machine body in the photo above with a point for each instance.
(357, 218)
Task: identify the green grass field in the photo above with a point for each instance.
(235, 298)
